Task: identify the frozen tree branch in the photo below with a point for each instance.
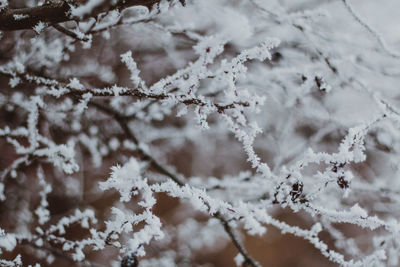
(123, 123)
(152, 133)
(57, 12)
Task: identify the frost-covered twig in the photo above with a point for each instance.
(373, 32)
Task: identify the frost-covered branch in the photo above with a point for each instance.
(52, 13)
(157, 133)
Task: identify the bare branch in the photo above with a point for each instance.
(69, 33)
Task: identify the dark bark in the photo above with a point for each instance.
(57, 12)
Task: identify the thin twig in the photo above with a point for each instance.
(373, 32)
(123, 123)
(69, 33)
(248, 260)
